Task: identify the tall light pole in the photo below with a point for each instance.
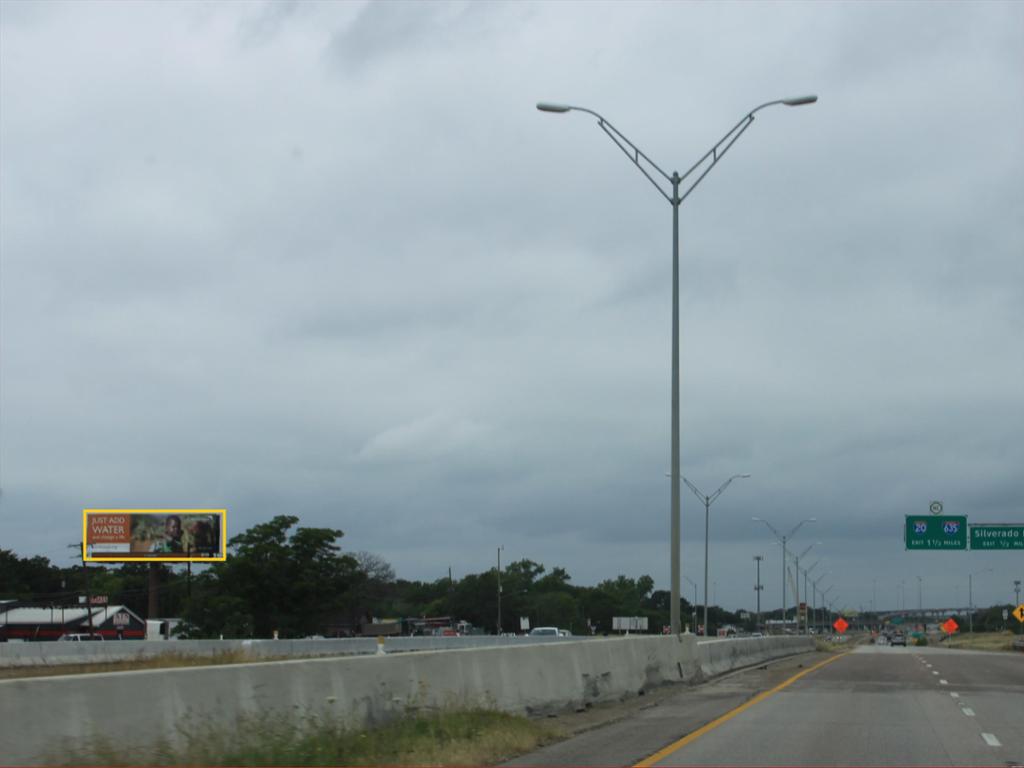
(708, 500)
(919, 594)
(675, 199)
(817, 595)
(810, 603)
(796, 584)
(758, 588)
(693, 606)
(823, 604)
(499, 590)
(782, 540)
(970, 595)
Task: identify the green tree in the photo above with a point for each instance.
(275, 579)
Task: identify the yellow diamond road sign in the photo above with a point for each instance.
(1018, 613)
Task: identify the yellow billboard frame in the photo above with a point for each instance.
(115, 558)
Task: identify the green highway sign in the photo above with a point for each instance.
(989, 536)
(936, 532)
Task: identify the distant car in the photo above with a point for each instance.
(757, 634)
(76, 637)
(544, 632)
(564, 633)
(899, 639)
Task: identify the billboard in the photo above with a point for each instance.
(154, 535)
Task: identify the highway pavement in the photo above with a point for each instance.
(872, 706)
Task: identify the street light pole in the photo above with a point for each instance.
(796, 585)
(757, 589)
(810, 603)
(782, 540)
(499, 590)
(693, 606)
(647, 167)
(824, 620)
(707, 517)
(817, 595)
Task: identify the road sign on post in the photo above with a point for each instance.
(950, 626)
(840, 625)
(1018, 613)
(990, 536)
(936, 532)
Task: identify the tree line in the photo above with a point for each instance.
(297, 580)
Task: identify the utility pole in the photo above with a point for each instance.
(757, 589)
(499, 589)
(919, 594)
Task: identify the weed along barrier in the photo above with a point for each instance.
(470, 737)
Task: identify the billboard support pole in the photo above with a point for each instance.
(153, 609)
(88, 595)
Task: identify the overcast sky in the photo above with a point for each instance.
(328, 260)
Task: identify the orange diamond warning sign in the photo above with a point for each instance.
(950, 626)
(840, 625)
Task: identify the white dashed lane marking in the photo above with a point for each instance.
(943, 682)
(991, 740)
(968, 711)
(954, 694)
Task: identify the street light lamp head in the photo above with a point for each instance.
(796, 102)
(545, 106)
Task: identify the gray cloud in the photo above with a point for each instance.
(327, 259)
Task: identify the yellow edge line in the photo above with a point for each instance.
(662, 754)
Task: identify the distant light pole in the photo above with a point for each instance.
(675, 200)
(817, 595)
(970, 594)
(796, 585)
(810, 603)
(823, 595)
(1016, 588)
(694, 604)
(919, 594)
(708, 500)
(757, 589)
(499, 590)
(782, 540)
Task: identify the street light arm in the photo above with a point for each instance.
(770, 527)
(725, 485)
(718, 151)
(797, 528)
(631, 150)
(696, 491)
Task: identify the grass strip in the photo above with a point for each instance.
(449, 738)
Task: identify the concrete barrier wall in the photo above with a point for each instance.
(42, 719)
